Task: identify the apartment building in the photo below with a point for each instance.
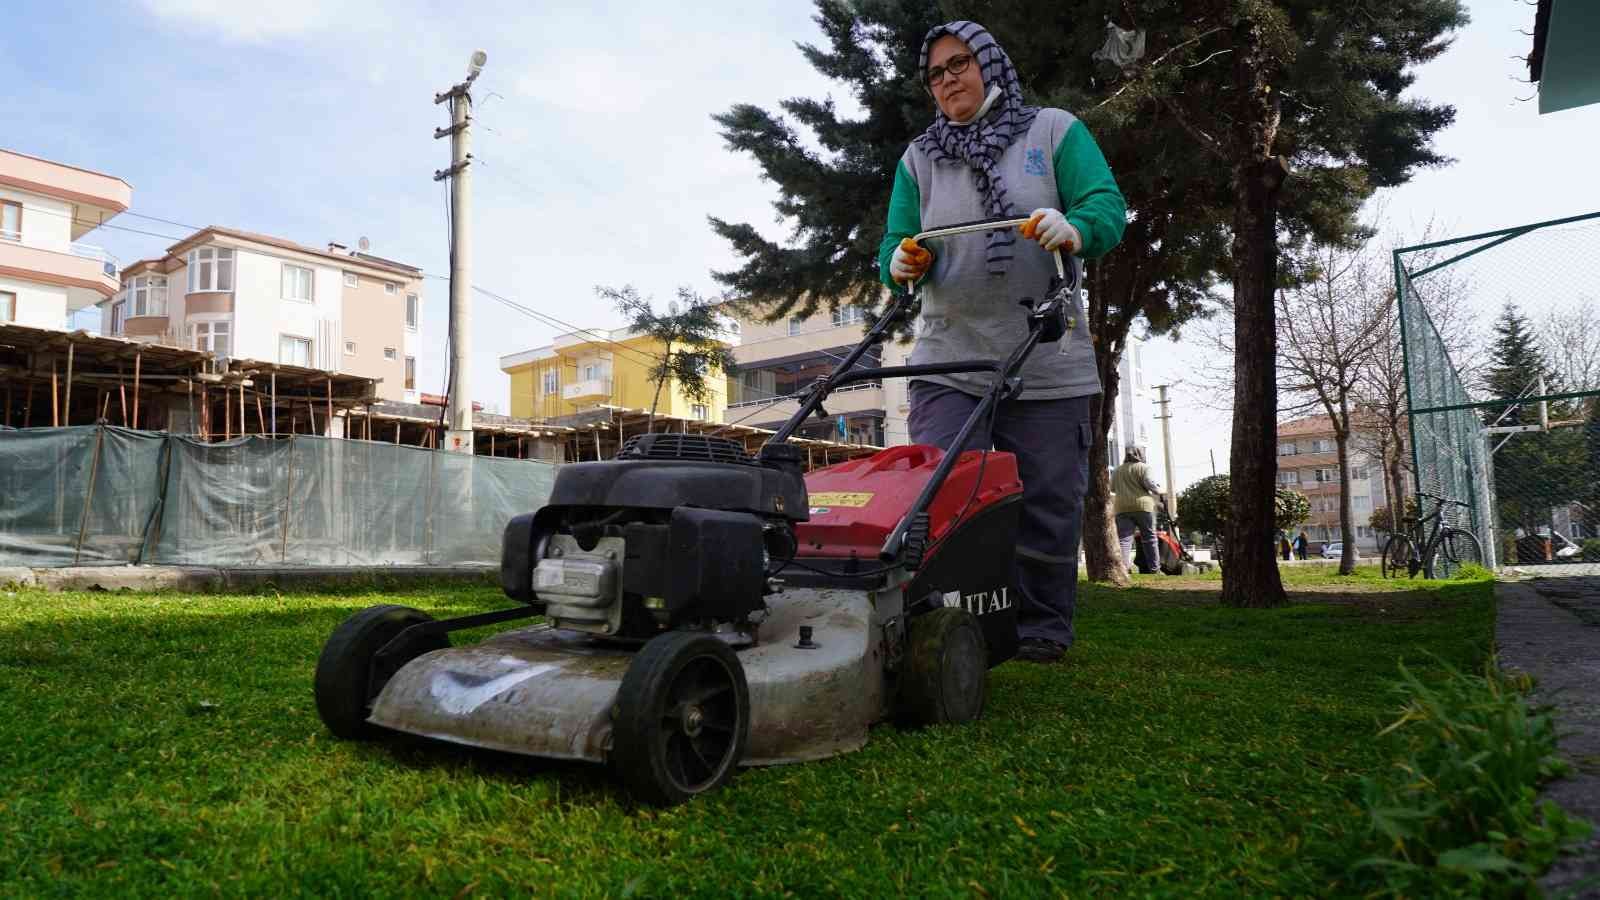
(585, 369)
(778, 359)
(1308, 462)
(253, 296)
(46, 208)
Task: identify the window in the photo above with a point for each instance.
(1138, 367)
(390, 287)
(10, 220)
(1363, 531)
(8, 309)
(210, 269)
(116, 317)
(411, 373)
(848, 314)
(146, 296)
(552, 381)
(351, 279)
(213, 337)
(389, 353)
(1322, 445)
(297, 281)
(1360, 474)
(1288, 477)
(1287, 449)
(349, 348)
(700, 412)
(591, 371)
(1325, 476)
(294, 351)
(795, 324)
(1361, 504)
(413, 311)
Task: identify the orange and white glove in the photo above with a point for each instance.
(910, 261)
(1052, 230)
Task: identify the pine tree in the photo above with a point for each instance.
(1537, 471)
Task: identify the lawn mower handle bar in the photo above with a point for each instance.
(999, 388)
(983, 225)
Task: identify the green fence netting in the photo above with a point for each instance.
(103, 495)
(1502, 345)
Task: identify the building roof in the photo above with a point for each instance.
(346, 260)
(55, 162)
(1310, 425)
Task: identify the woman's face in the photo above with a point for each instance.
(958, 96)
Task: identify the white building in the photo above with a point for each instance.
(46, 274)
(252, 296)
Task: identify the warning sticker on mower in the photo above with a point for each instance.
(853, 499)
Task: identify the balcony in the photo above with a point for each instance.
(108, 263)
(584, 390)
(88, 278)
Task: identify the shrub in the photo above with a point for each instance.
(1591, 550)
(1458, 811)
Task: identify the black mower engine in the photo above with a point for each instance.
(678, 531)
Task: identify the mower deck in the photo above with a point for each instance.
(547, 692)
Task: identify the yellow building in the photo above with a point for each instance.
(582, 370)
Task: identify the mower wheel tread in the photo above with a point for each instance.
(343, 683)
(679, 670)
(945, 675)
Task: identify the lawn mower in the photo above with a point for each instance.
(705, 609)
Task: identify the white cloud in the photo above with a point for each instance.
(257, 23)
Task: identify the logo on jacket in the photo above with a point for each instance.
(1033, 163)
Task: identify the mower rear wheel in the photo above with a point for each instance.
(945, 674)
(682, 719)
(347, 681)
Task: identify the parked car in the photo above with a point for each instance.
(1333, 550)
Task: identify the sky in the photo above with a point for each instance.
(596, 158)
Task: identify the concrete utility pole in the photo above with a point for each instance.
(458, 416)
(1166, 451)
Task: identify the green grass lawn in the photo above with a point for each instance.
(166, 744)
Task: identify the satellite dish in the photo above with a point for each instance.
(364, 245)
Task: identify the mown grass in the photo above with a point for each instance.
(167, 745)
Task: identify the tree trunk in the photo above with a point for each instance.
(666, 372)
(1396, 468)
(1347, 529)
(1250, 575)
(1101, 552)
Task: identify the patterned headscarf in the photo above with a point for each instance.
(980, 144)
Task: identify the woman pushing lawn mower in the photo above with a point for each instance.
(989, 155)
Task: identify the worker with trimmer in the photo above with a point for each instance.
(987, 154)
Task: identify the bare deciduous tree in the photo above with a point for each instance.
(1328, 327)
(1571, 341)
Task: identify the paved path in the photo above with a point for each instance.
(1550, 629)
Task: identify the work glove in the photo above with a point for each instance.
(1052, 230)
(910, 261)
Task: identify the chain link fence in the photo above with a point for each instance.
(100, 495)
(1501, 338)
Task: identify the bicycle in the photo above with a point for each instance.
(1445, 549)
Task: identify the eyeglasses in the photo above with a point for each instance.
(955, 65)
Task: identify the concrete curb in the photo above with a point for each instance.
(204, 579)
(1543, 628)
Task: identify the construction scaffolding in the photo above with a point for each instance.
(600, 432)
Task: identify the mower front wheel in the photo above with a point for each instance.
(347, 681)
(682, 718)
(945, 674)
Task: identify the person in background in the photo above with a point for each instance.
(1300, 545)
(1283, 545)
(1135, 507)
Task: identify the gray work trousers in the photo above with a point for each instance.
(1145, 524)
(1050, 439)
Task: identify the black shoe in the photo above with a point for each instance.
(1040, 650)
